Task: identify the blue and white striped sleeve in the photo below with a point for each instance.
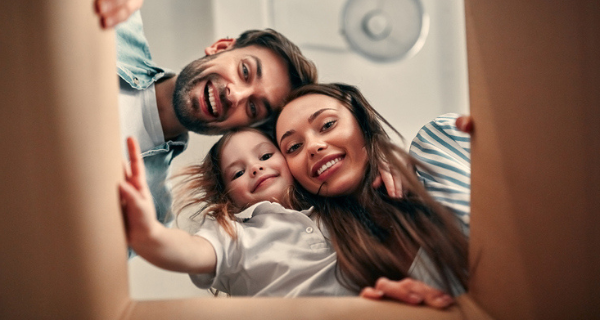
(446, 151)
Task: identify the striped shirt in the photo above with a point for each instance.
(446, 152)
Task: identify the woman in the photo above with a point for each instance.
(334, 143)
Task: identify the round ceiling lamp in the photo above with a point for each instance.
(385, 30)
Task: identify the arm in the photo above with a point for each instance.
(113, 12)
(408, 291)
(170, 249)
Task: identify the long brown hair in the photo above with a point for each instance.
(377, 236)
(202, 186)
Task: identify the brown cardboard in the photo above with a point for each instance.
(63, 244)
(533, 68)
(533, 73)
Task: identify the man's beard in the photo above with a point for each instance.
(186, 80)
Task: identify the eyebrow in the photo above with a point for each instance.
(258, 66)
(265, 102)
(311, 118)
(316, 114)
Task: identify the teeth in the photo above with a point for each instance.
(211, 99)
(328, 165)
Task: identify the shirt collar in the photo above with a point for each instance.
(264, 207)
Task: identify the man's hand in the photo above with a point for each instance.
(391, 180)
(113, 12)
(408, 291)
(465, 124)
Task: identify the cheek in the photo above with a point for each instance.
(237, 194)
(292, 163)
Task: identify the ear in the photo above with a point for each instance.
(220, 45)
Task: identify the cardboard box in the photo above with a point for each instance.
(533, 68)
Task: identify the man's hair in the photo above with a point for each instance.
(301, 70)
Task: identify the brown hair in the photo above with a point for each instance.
(203, 185)
(377, 236)
(301, 70)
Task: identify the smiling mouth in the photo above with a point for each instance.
(261, 182)
(209, 99)
(328, 165)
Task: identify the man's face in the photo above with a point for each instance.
(233, 88)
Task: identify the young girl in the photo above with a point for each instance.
(333, 142)
(263, 250)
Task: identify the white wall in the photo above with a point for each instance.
(408, 92)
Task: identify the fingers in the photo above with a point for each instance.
(392, 181)
(371, 293)
(126, 172)
(377, 182)
(113, 12)
(413, 292)
(138, 171)
(399, 290)
(128, 194)
(391, 184)
(465, 124)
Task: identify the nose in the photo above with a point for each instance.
(256, 169)
(315, 146)
(237, 94)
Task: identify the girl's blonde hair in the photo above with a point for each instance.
(377, 236)
(203, 186)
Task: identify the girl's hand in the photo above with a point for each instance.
(113, 12)
(137, 205)
(408, 291)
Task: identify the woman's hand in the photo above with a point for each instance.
(408, 291)
(113, 12)
(137, 205)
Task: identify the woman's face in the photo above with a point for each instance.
(322, 144)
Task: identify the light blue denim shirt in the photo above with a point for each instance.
(134, 62)
(135, 66)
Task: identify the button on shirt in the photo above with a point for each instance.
(279, 252)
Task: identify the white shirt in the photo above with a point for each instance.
(139, 117)
(279, 252)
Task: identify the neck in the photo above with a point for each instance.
(164, 99)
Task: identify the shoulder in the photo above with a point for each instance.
(443, 124)
(442, 130)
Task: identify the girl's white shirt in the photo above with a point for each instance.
(278, 252)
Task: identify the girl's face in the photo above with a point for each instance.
(253, 169)
(322, 144)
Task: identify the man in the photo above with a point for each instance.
(240, 82)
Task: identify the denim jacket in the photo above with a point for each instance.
(135, 66)
(134, 62)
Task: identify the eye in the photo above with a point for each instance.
(252, 108)
(266, 156)
(293, 148)
(237, 175)
(245, 72)
(328, 125)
